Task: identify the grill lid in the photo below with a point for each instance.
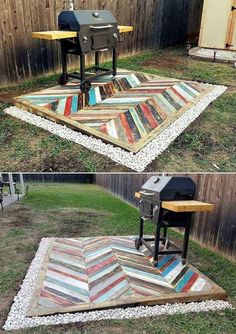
(75, 20)
(169, 188)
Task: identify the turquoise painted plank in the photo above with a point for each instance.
(83, 292)
(74, 105)
(145, 274)
(112, 291)
(163, 261)
(92, 97)
(184, 280)
(189, 89)
(61, 106)
(170, 267)
(183, 92)
(103, 272)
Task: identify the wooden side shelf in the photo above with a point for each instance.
(188, 206)
(60, 34)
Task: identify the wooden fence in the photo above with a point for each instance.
(156, 23)
(216, 230)
(54, 177)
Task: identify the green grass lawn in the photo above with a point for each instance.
(72, 210)
(209, 144)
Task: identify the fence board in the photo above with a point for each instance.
(21, 57)
(216, 230)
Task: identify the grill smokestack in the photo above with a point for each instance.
(71, 4)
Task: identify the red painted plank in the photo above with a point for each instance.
(100, 265)
(109, 287)
(56, 299)
(127, 128)
(67, 275)
(68, 106)
(190, 283)
(179, 95)
(153, 123)
(166, 265)
(104, 129)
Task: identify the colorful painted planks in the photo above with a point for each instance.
(128, 110)
(90, 273)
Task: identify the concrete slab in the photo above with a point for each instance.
(224, 56)
(9, 200)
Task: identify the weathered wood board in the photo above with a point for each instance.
(128, 111)
(94, 273)
(60, 34)
(188, 206)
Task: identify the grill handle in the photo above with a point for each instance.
(101, 27)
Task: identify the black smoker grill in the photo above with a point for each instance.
(97, 32)
(153, 193)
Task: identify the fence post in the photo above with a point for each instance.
(12, 189)
(22, 184)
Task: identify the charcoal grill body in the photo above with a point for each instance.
(153, 193)
(97, 32)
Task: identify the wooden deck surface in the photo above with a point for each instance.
(103, 272)
(128, 111)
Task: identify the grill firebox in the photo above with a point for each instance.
(153, 194)
(97, 32)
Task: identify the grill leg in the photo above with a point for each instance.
(156, 247)
(97, 60)
(186, 240)
(164, 235)
(64, 76)
(114, 62)
(63, 61)
(82, 67)
(138, 241)
(141, 229)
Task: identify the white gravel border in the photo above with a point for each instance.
(139, 161)
(17, 318)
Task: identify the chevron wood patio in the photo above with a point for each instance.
(103, 272)
(128, 111)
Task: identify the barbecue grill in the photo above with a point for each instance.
(85, 31)
(97, 32)
(167, 202)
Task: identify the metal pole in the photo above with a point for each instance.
(156, 246)
(12, 189)
(97, 63)
(186, 238)
(82, 67)
(63, 60)
(141, 229)
(114, 62)
(22, 184)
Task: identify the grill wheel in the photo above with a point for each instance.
(63, 79)
(85, 86)
(138, 243)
